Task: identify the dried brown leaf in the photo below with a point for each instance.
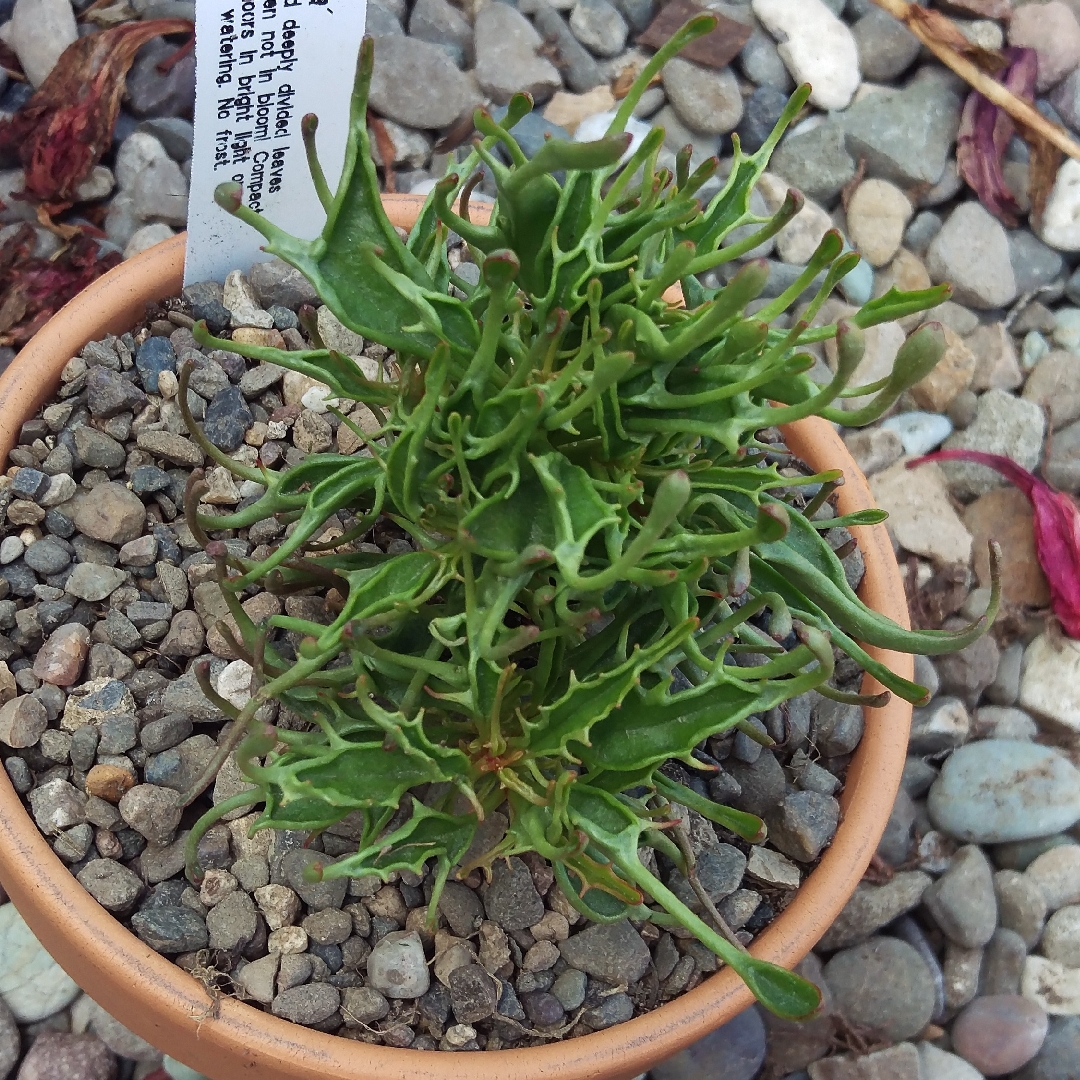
(1043, 165)
(10, 63)
(64, 231)
(65, 128)
(946, 32)
(981, 9)
(387, 150)
(458, 133)
(620, 87)
(852, 185)
(715, 50)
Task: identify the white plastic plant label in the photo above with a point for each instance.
(261, 66)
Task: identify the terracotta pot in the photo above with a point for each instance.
(166, 1006)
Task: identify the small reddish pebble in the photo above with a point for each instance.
(109, 782)
(1000, 1033)
(60, 660)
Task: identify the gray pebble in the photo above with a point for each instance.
(48, 556)
(317, 895)
(462, 908)
(111, 884)
(962, 900)
(884, 985)
(873, 906)
(734, 1051)
(232, 923)
(613, 952)
(1003, 963)
(511, 900)
(614, 1009)
(1003, 789)
(569, 988)
(543, 1009)
(1021, 905)
(805, 823)
(816, 162)
(152, 811)
(163, 734)
(1059, 1054)
(309, 1004)
(327, 927)
(170, 929)
(361, 1005)
(473, 994)
(762, 783)
(719, 870)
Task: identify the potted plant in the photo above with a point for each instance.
(596, 539)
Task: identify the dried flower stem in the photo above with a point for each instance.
(922, 24)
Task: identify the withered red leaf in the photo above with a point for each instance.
(985, 131)
(1057, 530)
(61, 133)
(716, 49)
(33, 289)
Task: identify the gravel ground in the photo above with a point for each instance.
(959, 956)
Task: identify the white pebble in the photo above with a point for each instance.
(816, 47)
(920, 432)
(1061, 938)
(1060, 226)
(147, 237)
(319, 399)
(595, 127)
(39, 32)
(234, 683)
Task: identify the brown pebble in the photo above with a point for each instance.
(1000, 1033)
(109, 782)
(252, 335)
(109, 847)
(60, 660)
(56, 1055)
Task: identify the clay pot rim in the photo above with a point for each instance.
(166, 1006)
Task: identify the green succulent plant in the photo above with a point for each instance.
(598, 534)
